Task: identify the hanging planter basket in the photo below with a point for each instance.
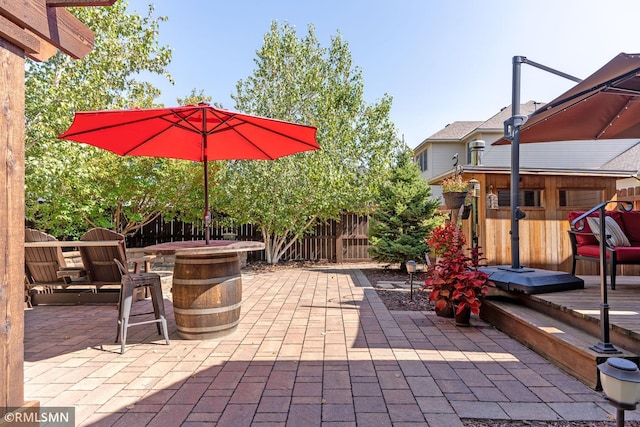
(454, 199)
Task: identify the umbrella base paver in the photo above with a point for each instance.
(313, 346)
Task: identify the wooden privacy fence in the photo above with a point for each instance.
(631, 194)
(334, 241)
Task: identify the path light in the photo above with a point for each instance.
(620, 380)
(411, 269)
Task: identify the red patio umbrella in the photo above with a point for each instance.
(199, 133)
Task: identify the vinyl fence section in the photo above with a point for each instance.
(335, 241)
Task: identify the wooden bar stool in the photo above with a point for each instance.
(131, 282)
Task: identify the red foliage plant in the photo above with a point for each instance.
(446, 239)
(455, 278)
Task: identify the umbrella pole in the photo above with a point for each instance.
(205, 157)
(512, 132)
(516, 121)
(207, 214)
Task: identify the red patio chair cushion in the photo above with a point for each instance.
(631, 221)
(623, 253)
(590, 239)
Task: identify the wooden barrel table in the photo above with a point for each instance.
(207, 285)
(207, 294)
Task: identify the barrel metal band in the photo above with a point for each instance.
(199, 261)
(215, 310)
(209, 328)
(209, 281)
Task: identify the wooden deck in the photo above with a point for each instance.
(563, 326)
(624, 307)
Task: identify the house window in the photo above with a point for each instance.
(421, 159)
(579, 198)
(531, 198)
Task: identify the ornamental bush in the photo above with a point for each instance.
(403, 216)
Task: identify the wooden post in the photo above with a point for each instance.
(339, 241)
(34, 29)
(12, 225)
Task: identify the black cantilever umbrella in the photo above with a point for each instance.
(605, 105)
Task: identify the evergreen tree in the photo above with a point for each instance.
(403, 217)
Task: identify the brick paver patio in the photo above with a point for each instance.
(314, 347)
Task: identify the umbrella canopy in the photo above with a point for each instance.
(606, 105)
(197, 133)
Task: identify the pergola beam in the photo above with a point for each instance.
(54, 25)
(46, 51)
(18, 36)
(73, 3)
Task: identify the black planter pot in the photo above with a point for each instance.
(463, 318)
(466, 213)
(448, 311)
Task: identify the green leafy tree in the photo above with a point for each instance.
(296, 79)
(69, 186)
(403, 217)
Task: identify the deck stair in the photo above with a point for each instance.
(561, 335)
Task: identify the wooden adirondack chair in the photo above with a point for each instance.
(98, 260)
(45, 267)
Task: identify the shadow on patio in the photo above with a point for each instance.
(313, 346)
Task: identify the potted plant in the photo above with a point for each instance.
(456, 283)
(470, 288)
(444, 241)
(454, 191)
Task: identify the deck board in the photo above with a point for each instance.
(565, 325)
(624, 301)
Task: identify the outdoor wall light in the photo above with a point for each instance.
(474, 186)
(620, 380)
(492, 199)
(411, 269)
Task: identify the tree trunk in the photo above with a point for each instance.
(276, 246)
(266, 237)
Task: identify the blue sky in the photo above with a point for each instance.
(440, 60)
